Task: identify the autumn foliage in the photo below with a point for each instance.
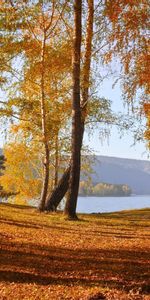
(147, 113)
(48, 49)
(130, 42)
(36, 74)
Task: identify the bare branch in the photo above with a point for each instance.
(59, 18)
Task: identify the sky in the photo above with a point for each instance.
(116, 146)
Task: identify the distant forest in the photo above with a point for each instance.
(104, 189)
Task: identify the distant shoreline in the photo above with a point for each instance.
(115, 196)
(107, 196)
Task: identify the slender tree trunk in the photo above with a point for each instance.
(45, 179)
(60, 190)
(87, 59)
(56, 161)
(44, 133)
(70, 208)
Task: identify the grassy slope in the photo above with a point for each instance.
(44, 257)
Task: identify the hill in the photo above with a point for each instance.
(135, 173)
(114, 170)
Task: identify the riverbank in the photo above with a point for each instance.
(45, 257)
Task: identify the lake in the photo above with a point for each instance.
(111, 204)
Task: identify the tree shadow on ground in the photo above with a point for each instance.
(44, 265)
(128, 233)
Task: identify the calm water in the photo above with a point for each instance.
(110, 204)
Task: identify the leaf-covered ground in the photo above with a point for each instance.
(102, 256)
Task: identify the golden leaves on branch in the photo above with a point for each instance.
(128, 40)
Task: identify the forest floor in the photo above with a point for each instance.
(101, 256)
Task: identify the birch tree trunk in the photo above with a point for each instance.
(56, 160)
(44, 132)
(70, 208)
